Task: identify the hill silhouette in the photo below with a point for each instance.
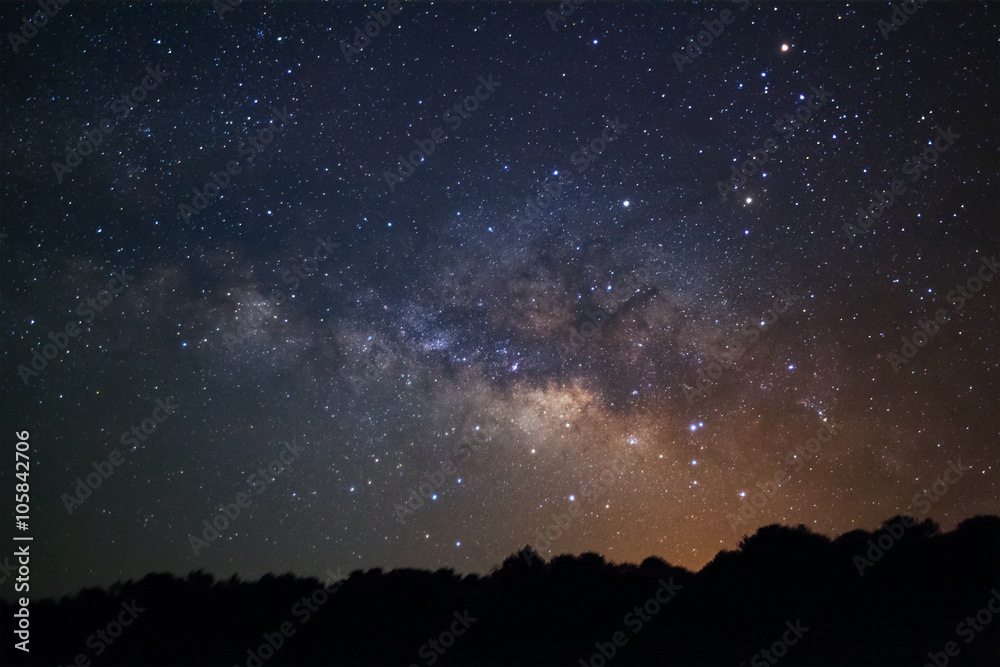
(903, 594)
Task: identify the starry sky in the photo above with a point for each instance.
(498, 254)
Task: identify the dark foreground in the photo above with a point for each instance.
(788, 596)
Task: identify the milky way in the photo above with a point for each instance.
(606, 272)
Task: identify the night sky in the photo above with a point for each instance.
(561, 305)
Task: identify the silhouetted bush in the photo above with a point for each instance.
(889, 597)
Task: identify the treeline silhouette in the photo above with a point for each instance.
(903, 610)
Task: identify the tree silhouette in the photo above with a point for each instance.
(908, 603)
